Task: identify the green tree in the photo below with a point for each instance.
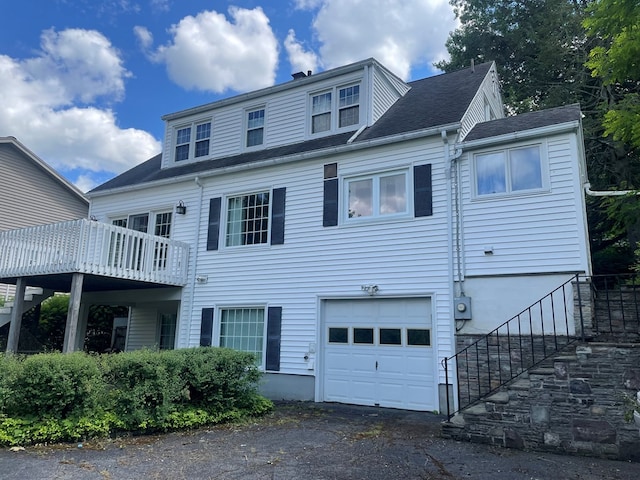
(616, 23)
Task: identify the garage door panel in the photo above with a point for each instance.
(384, 371)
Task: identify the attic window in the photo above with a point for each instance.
(188, 145)
(255, 127)
(334, 109)
(349, 106)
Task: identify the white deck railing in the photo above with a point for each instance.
(84, 246)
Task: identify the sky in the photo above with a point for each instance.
(84, 83)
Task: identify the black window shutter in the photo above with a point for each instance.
(330, 206)
(206, 327)
(274, 328)
(277, 216)
(213, 232)
(422, 191)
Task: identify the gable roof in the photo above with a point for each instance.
(45, 167)
(431, 102)
(524, 121)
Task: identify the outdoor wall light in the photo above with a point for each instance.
(370, 289)
(181, 208)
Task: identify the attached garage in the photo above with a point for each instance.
(378, 351)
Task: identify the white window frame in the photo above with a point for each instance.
(225, 215)
(247, 128)
(509, 191)
(335, 109)
(193, 140)
(217, 334)
(376, 215)
(151, 214)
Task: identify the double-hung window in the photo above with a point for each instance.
(247, 219)
(380, 195)
(507, 171)
(334, 109)
(243, 329)
(192, 141)
(255, 127)
(321, 112)
(349, 106)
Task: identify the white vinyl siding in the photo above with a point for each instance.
(534, 233)
(143, 328)
(476, 113)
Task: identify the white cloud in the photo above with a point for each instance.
(39, 98)
(398, 34)
(144, 36)
(210, 53)
(300, 59)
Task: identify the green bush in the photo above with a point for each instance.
(66, 397)
(52, 385)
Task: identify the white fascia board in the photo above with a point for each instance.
(326, 152)
(520, 135)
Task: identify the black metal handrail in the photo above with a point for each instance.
(543, 329)
(522, 342)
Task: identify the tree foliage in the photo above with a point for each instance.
(541, 49)
(617, 63)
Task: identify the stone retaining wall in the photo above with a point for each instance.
(571, 403)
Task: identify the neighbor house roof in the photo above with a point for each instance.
(431, 102)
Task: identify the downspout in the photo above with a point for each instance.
(454, 217)
(197, 249)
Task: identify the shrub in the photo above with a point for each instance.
(52, 385)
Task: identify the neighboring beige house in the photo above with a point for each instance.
(32, 193)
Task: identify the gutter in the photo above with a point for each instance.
(338, 149)
(521, 135)
(608, 193)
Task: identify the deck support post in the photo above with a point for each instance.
(16, 316)
(71, 329)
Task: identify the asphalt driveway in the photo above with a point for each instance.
(304, 441)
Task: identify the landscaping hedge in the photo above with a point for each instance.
(67, 397)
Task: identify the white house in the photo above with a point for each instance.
(343, 226)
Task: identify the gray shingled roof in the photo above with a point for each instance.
(524, 121)
(433, 101)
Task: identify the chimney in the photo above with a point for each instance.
(298, 75)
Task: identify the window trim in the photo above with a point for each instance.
(509, 192)
(246, 128)
(335, 109)
(224, 219)
(217, 328)
(193, 141)
(376, 216)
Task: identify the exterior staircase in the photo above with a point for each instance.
(33, 296)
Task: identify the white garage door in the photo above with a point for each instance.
(379, 352)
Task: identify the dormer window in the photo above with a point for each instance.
(193, 146)
(321, 112)
(334, 109)
(255, 127)
(349, 106)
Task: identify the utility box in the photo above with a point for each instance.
(462, 308)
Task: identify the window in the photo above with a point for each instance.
(327, 116)
(363, 336)
(201, 141)
(243, 329)
(203, 133)
(247, 219)
(183, 140)
(390, 336)
(168, 323)
(377, 195)
(129, 254)
(509, 171)
(419, 337)
(255, 127)
(349, 106)
(338, 335)
(321, 113)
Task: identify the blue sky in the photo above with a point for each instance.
(83, 83)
